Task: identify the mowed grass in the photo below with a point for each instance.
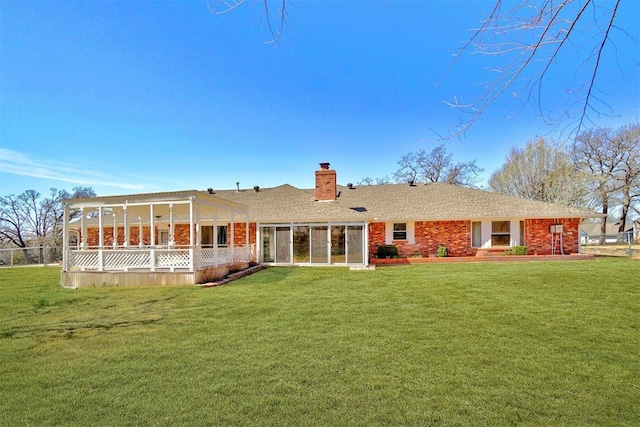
(537, 343)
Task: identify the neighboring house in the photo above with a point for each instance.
(590, 232)
(328, 225)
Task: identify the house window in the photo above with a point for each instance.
(400, 231)
(206, 237)
(164, 237)
(222, 236)
(476, 234)
(522, 239)
(500, 233)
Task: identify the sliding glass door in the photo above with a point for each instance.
(355, 244)
(276, 244)
(319, 244)
(313, 244)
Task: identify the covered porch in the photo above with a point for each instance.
(159, 238)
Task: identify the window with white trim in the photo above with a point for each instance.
(164, 237)
(399, 231)
(500, 233)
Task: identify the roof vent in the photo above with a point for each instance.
(256, 187)
(350, 186)
(210, 191)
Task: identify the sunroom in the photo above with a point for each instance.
(149, 239)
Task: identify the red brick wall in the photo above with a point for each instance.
(429, 235)
(538, 235)
(181, 236)
(93, 236)
(376, 237)
(239, 233)
(455, 235)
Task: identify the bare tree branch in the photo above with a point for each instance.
(530, 38)
(225, 6)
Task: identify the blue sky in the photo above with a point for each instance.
(130, 97)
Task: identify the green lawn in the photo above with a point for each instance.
(537, 343)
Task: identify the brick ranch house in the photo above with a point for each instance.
(173, 237)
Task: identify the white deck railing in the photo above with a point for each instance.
(155, 258)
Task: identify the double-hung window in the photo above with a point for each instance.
(400, 231)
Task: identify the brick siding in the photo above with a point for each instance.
(456, 236)
(538, 235)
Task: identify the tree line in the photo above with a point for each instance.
(599, 170)
(33, 219)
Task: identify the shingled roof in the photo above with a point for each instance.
(393, 202)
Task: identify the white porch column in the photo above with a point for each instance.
(191, 222)
(100, 240)
(84, 229)
(233, 248)
(139, 231)
(152, 237)
(100, 231)
(125, 222)
(171, 227)
(258, 248)
(65, 239)
(115, 229)
(191, 235)
(215, 238)
(198, 227)
(247, 248)
(152, 231)
(198, 231)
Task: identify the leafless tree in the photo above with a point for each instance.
(529, 41)
(436, 166)
(367, 180)
(428, 167)
(29, 218)
(596, 153)
(627, 142)
(540, 171)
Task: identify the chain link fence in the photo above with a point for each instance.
(621, 244)
(35, 255)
